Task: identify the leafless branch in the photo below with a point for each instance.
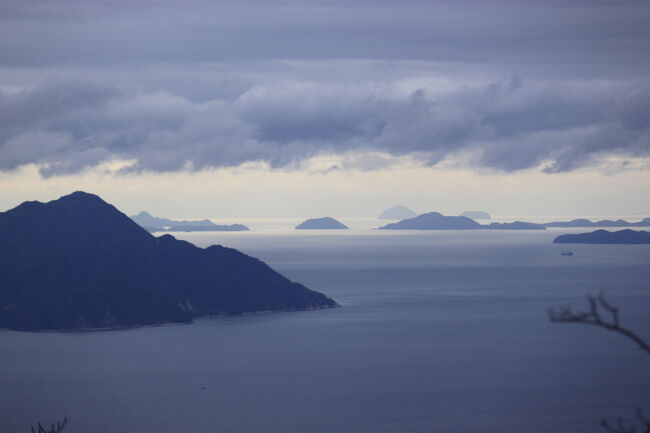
(620, 426)
(564, 314)
(55, 428)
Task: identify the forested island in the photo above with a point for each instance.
(79, 263)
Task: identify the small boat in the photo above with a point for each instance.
(567, 253)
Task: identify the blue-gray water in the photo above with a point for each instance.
(440, 332)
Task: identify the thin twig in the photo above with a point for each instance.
(622, 428)
(55, 429)
(564, 314)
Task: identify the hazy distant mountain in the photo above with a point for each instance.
(438, 221)
(603, 223)
(145, 219)
(321, 223)
(476, 215)
(213, 228)
(517, 225)
(398, 212)
(79, 263)
(156, 224)
(605, 237)
(434, 221)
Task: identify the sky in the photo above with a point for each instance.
(215, 109)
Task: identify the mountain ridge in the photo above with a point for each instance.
(79, 263)
(438, 221)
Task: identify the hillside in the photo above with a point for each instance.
(79, 263)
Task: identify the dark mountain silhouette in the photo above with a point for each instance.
(321, 223)
(79, 263)
(603, 223)
(605, 237)
(398, 212)
(476, 215)
(156, 224)
(438, 221)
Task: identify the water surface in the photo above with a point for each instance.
(439, 331)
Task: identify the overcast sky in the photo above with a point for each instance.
(245, 108)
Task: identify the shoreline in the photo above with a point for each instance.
(156, 325)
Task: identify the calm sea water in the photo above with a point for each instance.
(439, 332)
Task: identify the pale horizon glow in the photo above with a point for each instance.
(257, 191)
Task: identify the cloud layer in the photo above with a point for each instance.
(509, 125)
(490, 85)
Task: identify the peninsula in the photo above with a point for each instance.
(79, 263)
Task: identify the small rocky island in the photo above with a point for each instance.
(605, 237)
(156, 224)
(476, 215)
(398, 212)
(78, 263)
(325, 223)
(438, 221)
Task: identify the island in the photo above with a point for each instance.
(78, 263)
(434, 221)
(155, 224)
(438, 221)
(517, 225)
(605, 237)
(583, 223)
(213, 228)
(325, 223)
(476, 215)
(398, 212)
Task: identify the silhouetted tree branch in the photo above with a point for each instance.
(564, 314)
(620, 426)
(53, 429)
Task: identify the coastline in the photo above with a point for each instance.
(156, 325)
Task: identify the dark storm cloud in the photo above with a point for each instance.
(507, 125)
(506, 85)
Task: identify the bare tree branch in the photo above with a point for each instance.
(564, 314)
(620, 426)
(54, 428)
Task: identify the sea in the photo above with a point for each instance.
(438, 331)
